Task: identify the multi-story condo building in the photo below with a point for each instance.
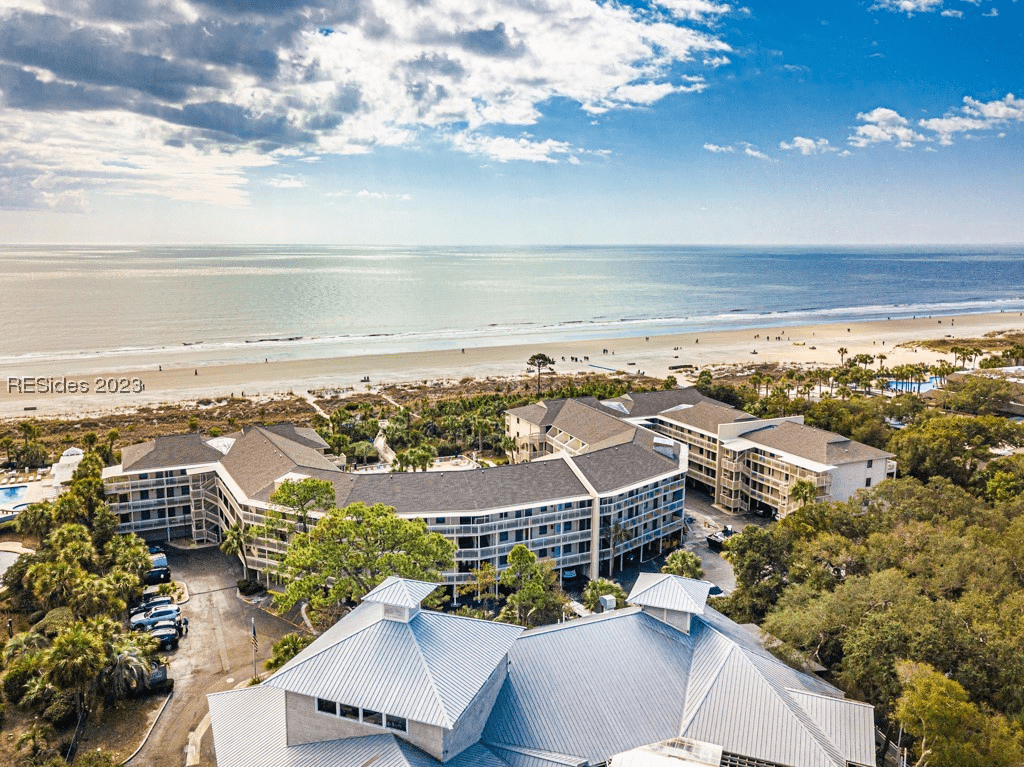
(745, 463)
(666, 681)
(580, 511)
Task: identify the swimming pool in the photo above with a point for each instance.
(913, 386)
(16, 493)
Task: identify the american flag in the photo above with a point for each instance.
(255, 641)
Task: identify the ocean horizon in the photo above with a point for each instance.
(130, 307)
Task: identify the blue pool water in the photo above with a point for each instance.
(16, 493)
(924, 386)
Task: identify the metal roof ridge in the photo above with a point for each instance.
(685, 721)
(596, 618)
(556, 756)
(292, 664)
(439, 698)
(827, 697)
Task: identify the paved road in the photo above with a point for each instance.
(216, 655)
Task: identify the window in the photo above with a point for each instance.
(397, 723)
(867, 482)
(439, 521)
(326, 706)
(144, 495)
(543, 530)
(349, 712)
(373, 717)
(503, 536)
(871, 462)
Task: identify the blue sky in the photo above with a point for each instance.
(511, 121)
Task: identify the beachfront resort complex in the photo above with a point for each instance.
(590, 481)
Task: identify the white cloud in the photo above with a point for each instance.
(976, 116)
(807, 146)
(751, 151)
(223, 87)
(366, 194)
(952, 14)
(746, 148)
(286, 182)
(908, 7)
(993, 12)
(882, 125)
(504, 149)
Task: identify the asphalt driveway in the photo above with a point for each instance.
(216, 654)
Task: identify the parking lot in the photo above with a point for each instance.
(215, 655)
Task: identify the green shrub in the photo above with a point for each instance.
(249, 587)
(16, 677)
(55, 621)
(63, 710)
(36, 617)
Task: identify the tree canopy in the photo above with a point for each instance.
(349, 551)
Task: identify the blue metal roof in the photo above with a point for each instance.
(670, 592)
(427, 670)
(400, 592)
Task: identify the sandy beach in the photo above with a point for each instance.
(808, 345)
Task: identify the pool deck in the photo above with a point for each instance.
(35, 491)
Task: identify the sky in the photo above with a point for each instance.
(512, 121)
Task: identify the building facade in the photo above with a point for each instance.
(582, 512)
(745, 463)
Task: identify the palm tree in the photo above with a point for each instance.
(234, 541)
(23, 643)
(540, 361)
(29, 431)
(684, 563)
(53, 583)
(286, 648)
(804, 491)
(38, 692)
(75, 660)
(129, 668)
(620, 535)
(7, 443)
(96, 596)
(843, 351)
(36, 520)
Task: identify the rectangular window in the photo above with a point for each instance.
(373, 717)
(349, 712)
(503, 536)
(871, 462)
(326, 706)
(867, 482)
(144, 495)
(542, 553)
(439, 521)
(397, 723)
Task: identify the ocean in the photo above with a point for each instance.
(132, 307)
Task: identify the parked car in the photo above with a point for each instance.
(569, 575)
(156, 549)
(716, 541)
(157, 575)
(148, 604)
(158, 682)
(159, 559)
(167, 612)
(168, 624)
(166, 634)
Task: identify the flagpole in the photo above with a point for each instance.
(254, 645)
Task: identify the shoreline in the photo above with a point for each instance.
(811, 345)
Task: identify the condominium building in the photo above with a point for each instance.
(580, 511)
(745, 463)
(666, 681)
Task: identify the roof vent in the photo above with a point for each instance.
(607, 603)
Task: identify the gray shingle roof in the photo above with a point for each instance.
(164, 452)
(421, 670)
(259, 457)
(707, 416)
(301, 434)
(649, 403)
(622, 465)
(544, 413)
(474, 490)
(814, 444)
(670, 592)
(591, 426)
